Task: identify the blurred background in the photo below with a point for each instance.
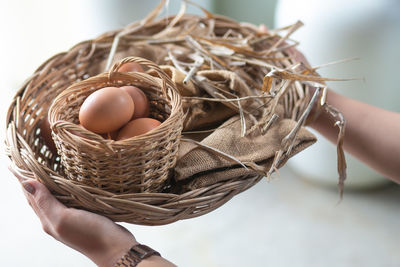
(294, 220)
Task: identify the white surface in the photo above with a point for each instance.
(287, 222)
(339, 29)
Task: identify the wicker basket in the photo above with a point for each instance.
(32, 159)
(139, 164)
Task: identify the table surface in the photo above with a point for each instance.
(285, 222)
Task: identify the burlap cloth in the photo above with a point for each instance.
(199, 165)
(202, 167)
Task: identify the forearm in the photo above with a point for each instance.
(372, 134)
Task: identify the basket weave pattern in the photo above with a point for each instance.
(79, 181)
(139, 164)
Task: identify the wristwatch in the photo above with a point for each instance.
(135, 255)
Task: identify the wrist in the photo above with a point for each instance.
(142, 256)
(114, 251)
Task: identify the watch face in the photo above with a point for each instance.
(143, 251)
(135, 255)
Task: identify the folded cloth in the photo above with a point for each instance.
(202, 114)
(198, 166)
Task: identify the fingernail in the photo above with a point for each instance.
(29, 188)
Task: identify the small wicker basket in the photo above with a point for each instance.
(138, 164)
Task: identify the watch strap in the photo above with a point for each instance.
(135, 255)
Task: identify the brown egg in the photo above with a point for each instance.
(106, 110)
(137, 127)
(142, 106)
(131, 67)
(45, 132)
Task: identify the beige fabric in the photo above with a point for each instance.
(150, 52)
(199, 167)
(188, 89)
(202, 114)
(205, 115)
(227, 82)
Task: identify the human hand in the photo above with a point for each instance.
(95, 236)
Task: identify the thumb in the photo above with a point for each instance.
(45, 205)
(263, 28)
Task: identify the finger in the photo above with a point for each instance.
(263, 28)
(45, 205)
(29, 192)
(44, 200)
